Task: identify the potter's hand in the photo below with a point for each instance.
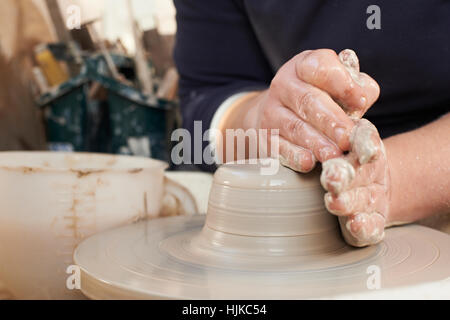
(358, 187)
(308, 100)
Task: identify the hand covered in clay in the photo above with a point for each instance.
(309, 101)
(358, 186)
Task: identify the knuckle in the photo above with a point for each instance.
(295, 127)
(321, 74)
(305, 63)
(327, 151)
(302, 56)
(314, 66)
(372, 85)
(349, 89)
(324, 58)
(304, 102)
(276, 83)
(323, 55)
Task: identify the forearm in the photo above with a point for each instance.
(419, 163)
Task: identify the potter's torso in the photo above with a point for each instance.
(409, 56)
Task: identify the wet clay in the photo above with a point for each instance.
(350, 61)
(267, 237)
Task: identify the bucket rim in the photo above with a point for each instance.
(135, 166)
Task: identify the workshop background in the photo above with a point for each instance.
(80, 75)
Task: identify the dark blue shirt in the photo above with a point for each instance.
(227, 46)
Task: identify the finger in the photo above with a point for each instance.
(337, 175)
(323, 69)
(365, 141)
(364, 199)
(295, 157)
(371, 88)
(316, 108)
(298, 132)
(363, 229)
(345, 173)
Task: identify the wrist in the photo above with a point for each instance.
(395, 165)
(242, 114)
(229, 115)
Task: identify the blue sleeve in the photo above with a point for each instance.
(217, 55)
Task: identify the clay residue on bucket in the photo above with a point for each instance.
(84, 173)
(24, 170)
(28, 170)
(136, 170)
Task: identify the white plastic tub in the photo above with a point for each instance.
(49, 202)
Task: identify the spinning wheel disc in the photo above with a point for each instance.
(264, 237)
(155, 259)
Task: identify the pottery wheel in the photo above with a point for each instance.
(264, 237)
